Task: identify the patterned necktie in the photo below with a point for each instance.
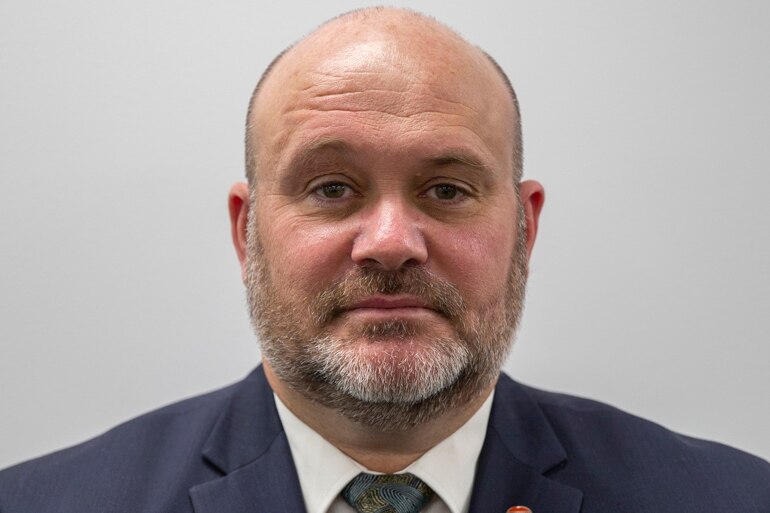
(387, 493)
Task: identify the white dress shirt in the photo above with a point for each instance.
(448, 468)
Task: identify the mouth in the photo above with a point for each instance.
(387, 306)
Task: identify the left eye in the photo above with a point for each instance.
(333, 190)
(445, 191)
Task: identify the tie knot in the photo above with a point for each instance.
(387, 493)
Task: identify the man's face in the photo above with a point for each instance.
(386, 259)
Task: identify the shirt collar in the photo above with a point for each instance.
(448, 468)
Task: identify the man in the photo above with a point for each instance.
(383, 237)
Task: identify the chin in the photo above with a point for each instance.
(393, 369)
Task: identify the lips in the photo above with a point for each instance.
(381, 302)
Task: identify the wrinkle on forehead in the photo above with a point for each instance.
(390, 74)
(400, 100)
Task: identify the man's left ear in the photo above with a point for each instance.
(238, 203)
(532, 197)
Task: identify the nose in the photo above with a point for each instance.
(390, 237)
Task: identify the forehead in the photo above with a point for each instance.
(384, 91)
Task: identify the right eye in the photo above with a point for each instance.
(333, 191)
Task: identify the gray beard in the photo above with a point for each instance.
(393, 393)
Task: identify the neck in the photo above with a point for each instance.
(376, 449)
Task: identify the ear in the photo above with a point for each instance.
(238, 203)
(532, 197)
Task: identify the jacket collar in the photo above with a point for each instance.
(249, 446)
(520, 448)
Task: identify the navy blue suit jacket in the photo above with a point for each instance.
(226, 452)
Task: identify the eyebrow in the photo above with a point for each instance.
(308, 153)
(462, 158)
(300, 163)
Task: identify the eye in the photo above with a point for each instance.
(333, 191)
(446, 192)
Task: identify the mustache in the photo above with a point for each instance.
(363, 282)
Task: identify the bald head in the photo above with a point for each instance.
(419, 53)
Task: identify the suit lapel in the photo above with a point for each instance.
(266, 485)
(249, 447)
(520, 448)
(518, 463)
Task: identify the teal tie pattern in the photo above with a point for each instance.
(387, 493)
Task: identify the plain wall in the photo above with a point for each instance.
(121, 132)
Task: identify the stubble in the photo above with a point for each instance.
(391, 392)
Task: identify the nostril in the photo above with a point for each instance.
(390, 253)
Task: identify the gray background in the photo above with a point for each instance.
(120, 133)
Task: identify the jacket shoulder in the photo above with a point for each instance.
(162, 446)
(625, 463)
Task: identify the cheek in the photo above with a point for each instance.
(304, 257)
(476, 258)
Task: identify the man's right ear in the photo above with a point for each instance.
(238, 203)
